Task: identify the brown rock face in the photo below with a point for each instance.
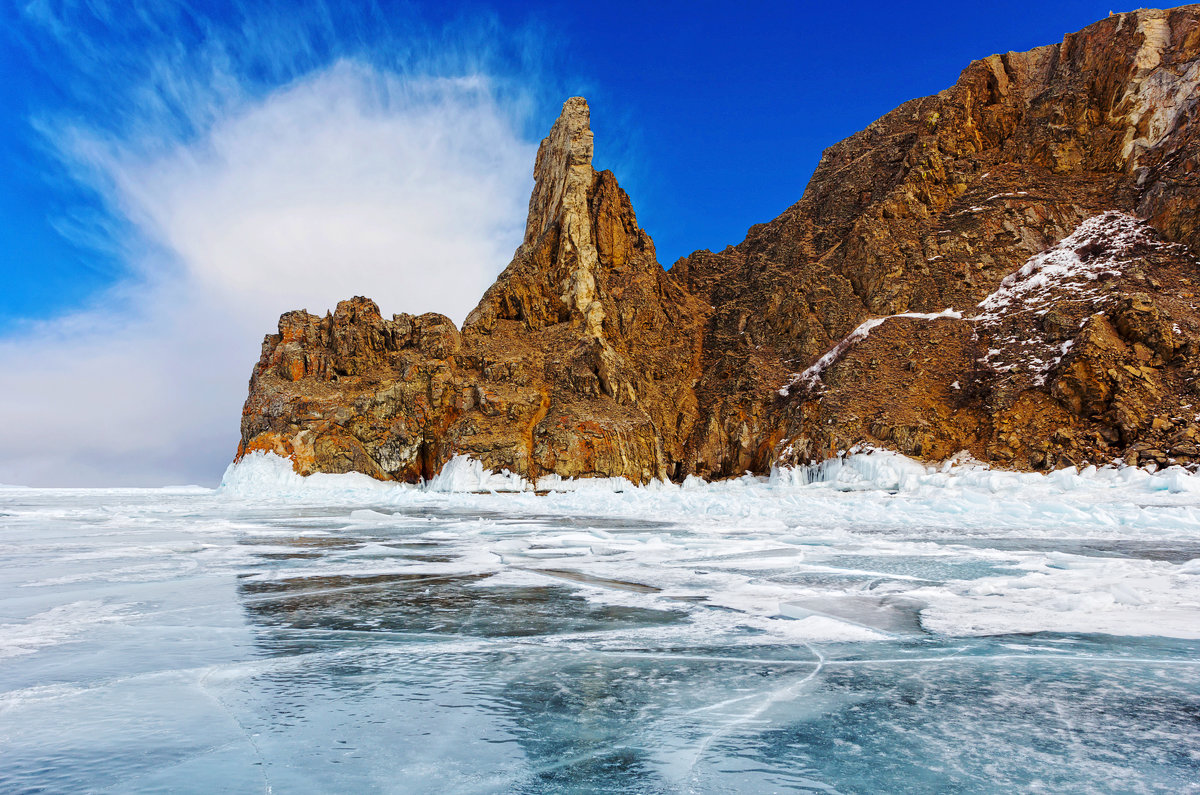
(1051, 197)
(578, 361)
(1081, 356)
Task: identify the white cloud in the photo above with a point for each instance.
(350, 181)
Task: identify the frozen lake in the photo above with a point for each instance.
(885, 630)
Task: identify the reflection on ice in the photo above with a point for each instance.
(419, 603)
(961, 634)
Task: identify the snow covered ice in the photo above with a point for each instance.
(869, 625)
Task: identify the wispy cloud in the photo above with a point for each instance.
(242, 183)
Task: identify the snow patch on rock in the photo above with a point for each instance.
(812, 376)
(1098, 247)
(1071, 271)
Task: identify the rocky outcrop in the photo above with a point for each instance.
(1086, 354)
(579, 360)
(1004, 268)
(929, 209)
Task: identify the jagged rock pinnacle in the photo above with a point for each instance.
(563, 171)
(563, 175)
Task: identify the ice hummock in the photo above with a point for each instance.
(266, 476)
(893, 495)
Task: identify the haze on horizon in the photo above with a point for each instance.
(176, 178)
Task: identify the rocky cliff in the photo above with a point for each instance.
(579, 360)
(1005, 269)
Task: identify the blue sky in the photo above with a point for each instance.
(221, 157)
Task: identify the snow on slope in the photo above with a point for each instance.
(1070, 271)
(811, 376)
(1106, 242)
(1067, 277)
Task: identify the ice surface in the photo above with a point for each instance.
(869, 624)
